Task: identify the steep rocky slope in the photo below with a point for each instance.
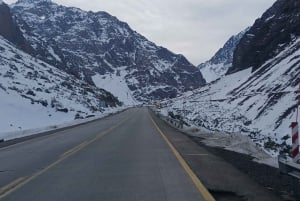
(260, 104)
(98, 48)
(9, 28)
(272, 33)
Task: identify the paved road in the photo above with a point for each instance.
(120, 158)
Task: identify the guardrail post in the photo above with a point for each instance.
(295, 141)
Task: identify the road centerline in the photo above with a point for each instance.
(20, 182)
(11, 185)
(74, 149)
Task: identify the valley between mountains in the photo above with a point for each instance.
(60, 64)
(64, 63)
(88, 108)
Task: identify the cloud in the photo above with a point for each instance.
(195, 28)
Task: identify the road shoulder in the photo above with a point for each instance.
(222, 179)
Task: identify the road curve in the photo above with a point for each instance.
(120, 158)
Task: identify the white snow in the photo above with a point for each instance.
(255, 105)
(269, 18)
(115, 85)
(212, 72)
(209, 75)
(51, 51)
(37, 126)
(20, 115)
(237, 143)
(230, 141)
(32, 93)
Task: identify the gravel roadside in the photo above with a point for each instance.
(265, 175)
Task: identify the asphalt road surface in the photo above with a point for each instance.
(124, 157)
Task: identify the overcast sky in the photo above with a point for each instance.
(194, 28)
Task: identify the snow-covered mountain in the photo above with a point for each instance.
(35, 94)
(272, 33)
(259, 102)
(219, 64)
(100, 49)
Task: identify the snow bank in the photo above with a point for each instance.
(51, 127)
(231, 141)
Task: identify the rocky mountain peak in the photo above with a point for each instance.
(225, 54)
(278, 27)
(98, 48)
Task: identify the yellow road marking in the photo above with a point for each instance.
(204, 192)
(15, 185)
(74, 149)
(11, 185)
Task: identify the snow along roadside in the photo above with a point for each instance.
(230, 141)
(12, 135)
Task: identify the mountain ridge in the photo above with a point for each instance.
(275, 30)
(92, 44)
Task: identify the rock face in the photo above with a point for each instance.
(273, 32)
(9, 29)
(97, 46)
(219, 64)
